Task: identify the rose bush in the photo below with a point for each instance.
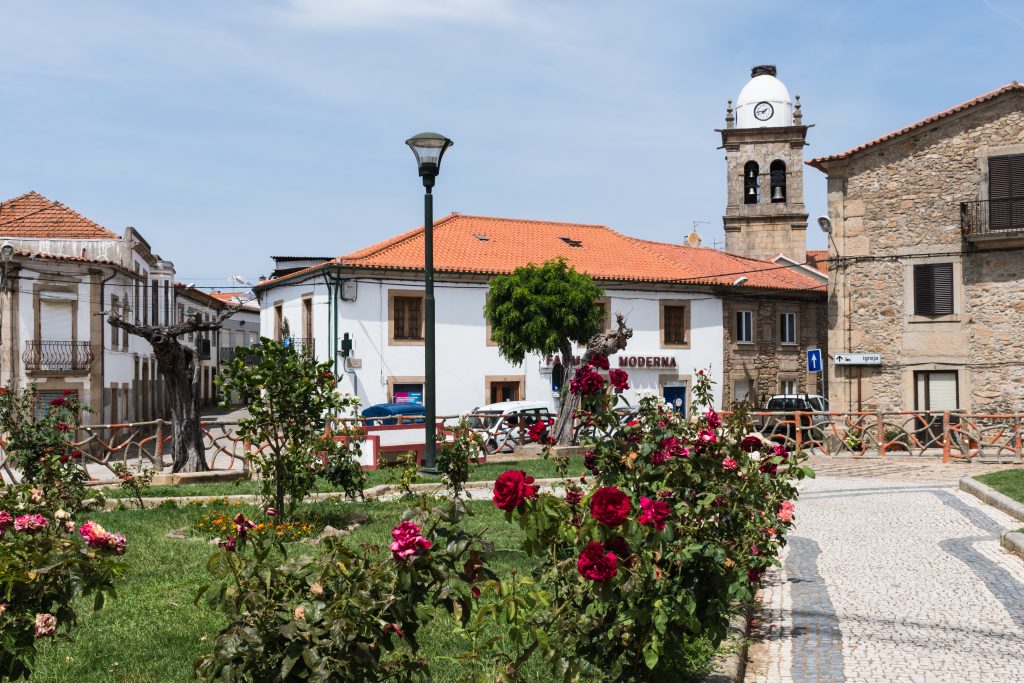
(685, 516)
(39, 438)
(46, 561)
(345, 614)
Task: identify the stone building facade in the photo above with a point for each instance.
(760, 362)
(927, 262)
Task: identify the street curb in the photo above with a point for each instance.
(990, 496)
(371, 493)
(731, 667)
(1010, 540)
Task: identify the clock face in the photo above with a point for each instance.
(763, 111)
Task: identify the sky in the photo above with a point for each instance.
(229, 131)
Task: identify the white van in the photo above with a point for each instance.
(498, 423)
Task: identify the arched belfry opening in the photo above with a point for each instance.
(778, 181)
(751, 185)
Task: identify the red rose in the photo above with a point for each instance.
(68, 392)
(586, 382)
(619, 379)
(596, 564)
(76, 454)
(63, 459)
(618, 545)
(512, 488)
(57, 402)
(599, 361)
(751, 443)
(610, 506)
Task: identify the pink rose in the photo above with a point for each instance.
(97, 537)
(228, 544)
(30, 523)
(242, 525)
(714, 421)
(46, 625)
(654, 513)
(408, 541)
(785, 513)
(730, 464)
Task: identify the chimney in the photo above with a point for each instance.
(763, 70)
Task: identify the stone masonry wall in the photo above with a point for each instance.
(766, 362)
(896, 205)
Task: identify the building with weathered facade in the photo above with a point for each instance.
(927, 261)
(61, 274)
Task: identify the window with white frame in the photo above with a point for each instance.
(787, 328)
(787, 386)
(744, 327)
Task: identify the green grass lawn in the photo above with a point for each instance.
(541, 469)
(1007, 482)
(152, 632)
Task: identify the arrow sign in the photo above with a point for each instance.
(814, 360)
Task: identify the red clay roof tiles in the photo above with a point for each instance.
(34, 216)
(489, 245)
(1013, 86)
(818, 259)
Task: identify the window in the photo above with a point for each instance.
(743, 390)
(744, 327)
(114, 332)
(307, 318)
(675, 324)
(787, 386)
(407, 317)
(751, 188)
(778, 181)
(936, 390)
(155, 303)
(138, 315)
(145, 302)
(407, 393)
(504, 390)
(278, 321)
(1006, 192)
(787, 328)
(933, 289)
(167, 303)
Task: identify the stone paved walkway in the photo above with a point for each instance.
(892, 574)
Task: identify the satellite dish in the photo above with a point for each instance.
(694, 239)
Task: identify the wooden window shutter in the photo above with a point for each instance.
(399, 314)
(1006, 192)
(933, 289)
(675, 324)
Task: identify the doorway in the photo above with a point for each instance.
(935, 391)
(504, 391)
(674, 392)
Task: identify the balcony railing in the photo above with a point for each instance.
(303, 345)
(992, 219)
(57, 356)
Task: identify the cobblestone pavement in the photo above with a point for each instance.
(894, 577)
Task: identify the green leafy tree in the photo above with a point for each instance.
(544, 309)
(291, 400)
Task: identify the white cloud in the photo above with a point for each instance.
(348, 14)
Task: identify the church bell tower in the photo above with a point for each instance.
(764, 139)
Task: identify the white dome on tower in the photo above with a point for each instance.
(764, 101)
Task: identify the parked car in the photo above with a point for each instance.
(387, 413)
(812, 425)
(499, 423)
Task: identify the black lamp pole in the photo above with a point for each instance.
(429, 148)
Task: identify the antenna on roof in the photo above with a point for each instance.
(694, 239)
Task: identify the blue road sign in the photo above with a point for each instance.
(814, 360)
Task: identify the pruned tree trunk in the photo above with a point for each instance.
(178, 367)
(604, 344)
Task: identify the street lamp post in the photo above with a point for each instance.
(429, 148)
(6, 254)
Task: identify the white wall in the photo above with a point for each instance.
(463, 357)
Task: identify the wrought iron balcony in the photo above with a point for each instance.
(227, 354)
(992, 219)
(302, 345)
(57, 356)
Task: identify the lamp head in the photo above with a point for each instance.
(6, 252)
(825, 223)
(429, 148)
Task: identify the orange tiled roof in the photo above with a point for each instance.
(34, 216)
(1013, 86)
(818, 259)
(233, 298)
(488, 245)
(717, 267)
